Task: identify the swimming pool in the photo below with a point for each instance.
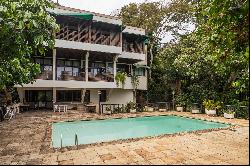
(95, 131)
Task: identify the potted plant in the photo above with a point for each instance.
(179, 108)
(120, 78)
(195, 109)
(211, 106)
(229, 112)
(131, 107)
(180, 103)
(149, 109)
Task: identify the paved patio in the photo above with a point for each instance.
(27, 140)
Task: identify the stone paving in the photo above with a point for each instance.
(27, 140)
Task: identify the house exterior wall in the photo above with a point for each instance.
(117, 95)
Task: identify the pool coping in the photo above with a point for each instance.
(82, 146)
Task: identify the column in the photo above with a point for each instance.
(114, 66)
(83, 95)
(87, 67)
(54, 95)
(54, 64)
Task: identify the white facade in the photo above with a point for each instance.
(115, 95)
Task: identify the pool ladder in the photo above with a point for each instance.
(76, 140)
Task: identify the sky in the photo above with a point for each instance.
(104, 7)
(98, 6)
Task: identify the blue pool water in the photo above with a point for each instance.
(113, 129)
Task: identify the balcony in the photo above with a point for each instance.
(78, 30)
(133, 48)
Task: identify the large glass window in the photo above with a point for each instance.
(45, 67)
(68, 95)
(123, 68)
(38, 95)
(97, 67)
(110, 68)
(68, 67)
(45, 64)
(140, 71)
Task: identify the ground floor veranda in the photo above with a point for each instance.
(26, 139)
(75, 98)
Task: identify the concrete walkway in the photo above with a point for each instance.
(27, 140)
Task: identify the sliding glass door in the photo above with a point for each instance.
(39, 98)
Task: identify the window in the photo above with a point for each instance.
(123, 68)
(71, 66)
(103, 97)
(38, 95)
(45, 63)
(97, 67)
(140, 71)
(110, 68)
(68, 95)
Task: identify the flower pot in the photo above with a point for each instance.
(162, 109)
(210, 112)
(179, 109)
(149, 109)
(228, 116)
(132, 110)
(195, 111)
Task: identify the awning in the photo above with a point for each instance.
(84, 16)
(141, 66)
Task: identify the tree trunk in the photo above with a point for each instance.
(178, 87)
(7, 96)
(151, 61)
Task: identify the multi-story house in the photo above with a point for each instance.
(90, 49)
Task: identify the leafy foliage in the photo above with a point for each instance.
(211, 63)
(120, 78)
(26, 29)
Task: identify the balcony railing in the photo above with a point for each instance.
(87, 34)
(134, 47)
(67, 75)
(92, 76)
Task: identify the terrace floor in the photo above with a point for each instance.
(26, 139)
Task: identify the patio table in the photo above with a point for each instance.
(65, 108)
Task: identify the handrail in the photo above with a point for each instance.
(76, 140)
(61, 140)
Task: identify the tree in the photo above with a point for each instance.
(223, 26)
(214, 60)
(158, 18)
(26, 29)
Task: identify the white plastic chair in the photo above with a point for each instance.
(56, 108)
(65, 108)
(11, 112)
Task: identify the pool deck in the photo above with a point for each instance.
(26, 139)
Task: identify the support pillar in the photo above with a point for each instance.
(115, 60)
(54, 64)
(87, 67)
(54, 95)
(83, 95)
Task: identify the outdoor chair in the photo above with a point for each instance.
(10, 112)
(65, 108)
(55, 108)
(59, 108)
